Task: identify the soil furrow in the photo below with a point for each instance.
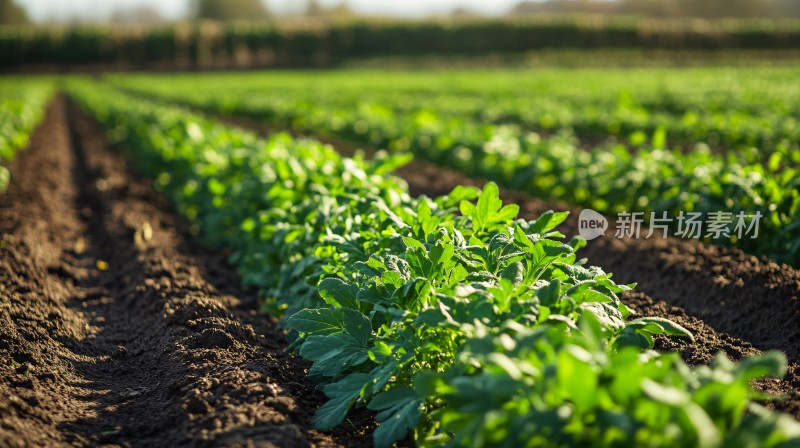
(117, 330)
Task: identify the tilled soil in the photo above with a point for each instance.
(116, 330)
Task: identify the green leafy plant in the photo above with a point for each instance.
(587, 137)
(22, 104)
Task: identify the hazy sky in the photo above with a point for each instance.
(173, 9)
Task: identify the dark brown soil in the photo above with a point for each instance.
(733, 302)
(116, 330)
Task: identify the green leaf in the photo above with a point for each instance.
(583, 292)
(607, 315)
(357, 325)
(338, 293)
(397, 422)
(548, 220)
(460, 193)
(392, 278)
(576, 272)
(398, 395)
(665, 394)
(488, 202)
(659, 139)
(507, 213)
(323, 321)
(441, 254)
(333, 354)
(428, 383)
(467, 209)
(424, 220)
(341, 394)
(513, 272)
(550, 294)
(523, 242)
(772, 363)
(631, 338)
(5, 178)
(660, 325)
(457, 275)
(412, 243)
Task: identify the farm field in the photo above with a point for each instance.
(652, 140)
(355, 257)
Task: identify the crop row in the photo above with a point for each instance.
(22, 104)
(452, 319)
(719, 107)
(609, 178)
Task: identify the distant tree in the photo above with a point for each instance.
(143, 15)
(462, 12)
(709, 9)
(230, 9)
(314, 9)
(651, 8)
(12, 14)
(319, 11)
(725, 8)
(563, 7)
(341, 10)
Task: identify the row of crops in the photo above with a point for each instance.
(654, 141)
(207, 44)
(456, 322)
(22, 104)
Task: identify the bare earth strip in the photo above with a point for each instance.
(116, 329)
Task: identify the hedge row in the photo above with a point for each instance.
(202, 45)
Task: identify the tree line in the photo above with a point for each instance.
(705, 9)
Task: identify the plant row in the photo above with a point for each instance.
(456, 322)
(609, 178)
(720, 107)
(22, 104)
